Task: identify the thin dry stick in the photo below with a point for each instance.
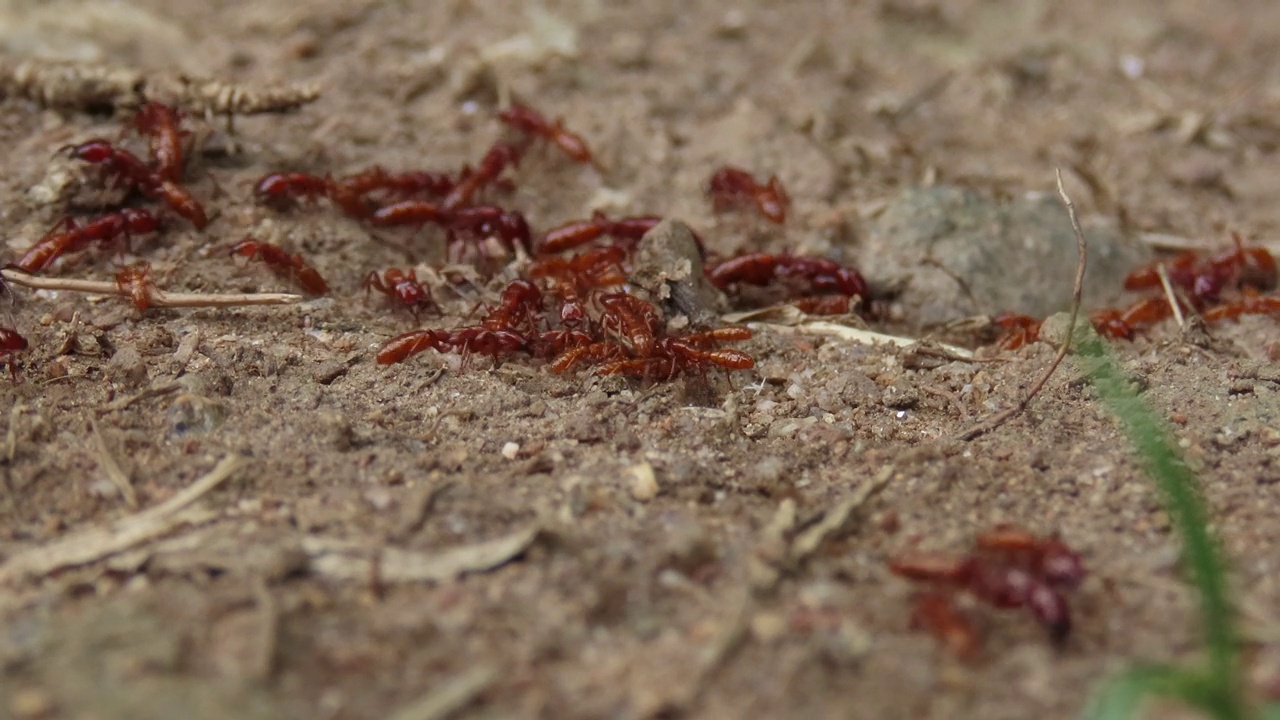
(159, 298)
(1004, 416)
(1170, 296)
(95, 544)
(264, 665)
(115, 473)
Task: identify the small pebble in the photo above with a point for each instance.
(644, 483)
(510, 450)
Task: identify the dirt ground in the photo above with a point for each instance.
(487, 542)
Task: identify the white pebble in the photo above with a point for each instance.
(644, 482)
(510, 450)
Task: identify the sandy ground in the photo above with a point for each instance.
(482, 542)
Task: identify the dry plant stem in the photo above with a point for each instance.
(868, 337)
(1082, 246)
(94, 544)
(1168, 294)
(91, 86)
(159, 298)
(264, 666)
(114, 472)
(451, 697)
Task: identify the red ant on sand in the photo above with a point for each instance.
(525, 119)
(280, 190)
(627, 230)
(1009, 568)
(472, 223)
(672, 355)
(731, 187)
(820, 274)
(67, 236)
(162, 126)
(468, 340)
(11, 343)
(580, 232)
(471, 181)
(123, 165)
(1250, 304)
(517, 310)
(283, 264)
(1204, 279)
(402, 286)
(135, 281)
(400, 185)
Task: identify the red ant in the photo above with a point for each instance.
(1204, 279)
(499, 157)
(486, 221)
(377, 179)
(825, 305)
(555, 344)
(11, 343)
(409, 212)
(627, 230)
(581, 232)
(635, 320)
(517, 310)
(470, 339)
(1250, 304)
(404, 346)
(403, 286)
(135, 281)
(731, 186)
(1019, 330)
(473, 222)
(281, 189)
(672, 355)
(594, 353)
(124, 165)
(525, 119)
(821, 274)
(283, 264)
(67, 236)
(577, 275)
(1009, 568)
(162, 125)
(601, 267)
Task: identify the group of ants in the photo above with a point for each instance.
(574, 310)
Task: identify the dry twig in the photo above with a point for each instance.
(844, 332)
(455, 694)
(1170, 296)
(159, 298)
(116, 474)
(1004, 416)
(93, 86)
(269, 639)
(125, 402)
(342, 559)
(95, 544)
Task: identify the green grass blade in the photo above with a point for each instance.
(1121, 697)
(1218, 692)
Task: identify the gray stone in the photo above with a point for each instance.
(1017, 256)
